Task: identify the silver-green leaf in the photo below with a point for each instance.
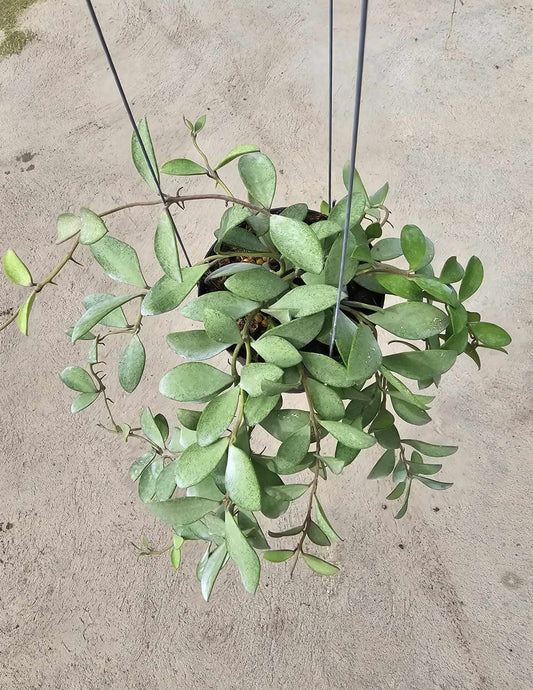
(296, 241)
(119, 260)
(166, 247)
(243, 554)
(131, 364)
(259, 177)
(194, 382)
(197, 462)
(217, 416)
(241, 480)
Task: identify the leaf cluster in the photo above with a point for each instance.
(269, 291)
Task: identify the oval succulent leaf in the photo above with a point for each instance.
(325, 228)
(115, 318)
(96, 313)
(278, 555)
(194, 382)
(357, 210)
(197, 462)
(78, 379)
(151, 429)
(332, 267)
(68, 225)
(472, 279)
(298, 332)
(399, 285)
(386, 249)
(430, 449)
(319, 566)
(413, 245)
(287, 492)
(252, 375)
(182, 511)
(24, 314)
(409, 413)
(243, 554)
(298, 243)
(16, 270)
(138, 155)
(348, 435)
(224, 301)
(241, 480)
(379, 197)
(195, 345)
(199, 124)
(182, 166)
(259, 177)
(221, 328)
(293, 449)
(323, 522)
(256, 409)
(82, 401)
(211, 570)
(316, 535)
(217, 416)
(490, 335)
(411, 320)
(327, 370)
(235, 152)
(277, 351)
(401, 389)
(365, 355)
(306, 300)
(437, 290)
(189, 418)
(231, 218)
(421, 365)
(166, 247)
(93, 227)
(165, 485)
(131, 365)
(434, 484)
(452, 271)
(119, 260)
(259, 285)
(326, 401)
(358, 186)
(230, 269)
(384, 466)
(168, 293)
(140, 464)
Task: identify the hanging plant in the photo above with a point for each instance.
(266, 293)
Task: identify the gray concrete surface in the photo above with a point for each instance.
(449, 128)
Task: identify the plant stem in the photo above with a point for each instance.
(133, 204)
(245, 253)
(242, 397)
(234, 362)
(70, 255)
(222, 197)
(102, 389)
(384, 268)
(46, 281)
(210, 172)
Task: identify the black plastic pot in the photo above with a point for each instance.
(356, 293)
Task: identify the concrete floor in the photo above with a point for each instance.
(440, 599)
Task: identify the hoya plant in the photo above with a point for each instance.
(262, 301)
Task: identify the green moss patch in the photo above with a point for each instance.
(14, 39)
